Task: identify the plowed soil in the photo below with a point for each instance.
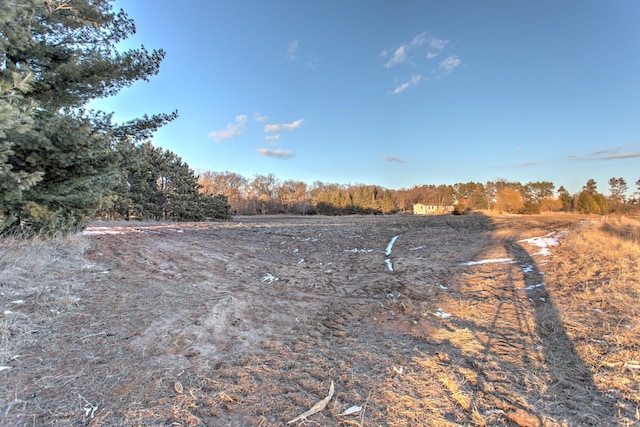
(247, 323)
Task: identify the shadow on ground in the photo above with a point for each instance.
(513, 358)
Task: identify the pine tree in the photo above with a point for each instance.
(565, 198)
(590, 187)
(388, 204)
(57, 162)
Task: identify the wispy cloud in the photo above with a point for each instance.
(437, 44)
(399, 56)
(525, 164)
(621, 156)
(306, 58)
(414, 80)
(628, 151)
(278, 154)
(394, 159)
(259, 117)
(233, 130)
(417, 46)
(450, 63)
(420, 52)
(280, 127)
(292, 50)
(273, 137)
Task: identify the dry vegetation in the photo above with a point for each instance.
(247, 323)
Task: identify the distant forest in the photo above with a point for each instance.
(265, 194)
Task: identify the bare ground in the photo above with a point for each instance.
(247, 323)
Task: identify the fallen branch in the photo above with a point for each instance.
(319, 406)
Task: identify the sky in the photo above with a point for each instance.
(394, 93)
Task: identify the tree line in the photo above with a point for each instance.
(266, 194)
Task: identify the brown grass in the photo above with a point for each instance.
(98, 330)
(42, 274)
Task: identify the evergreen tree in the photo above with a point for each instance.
(538, 191)
(618, 188)
(57, 162)
(214, 207)
(565, 198)
(468, 196)
(15, 119)
(601, 203)
(157, 184)
(586, 203)
(388, 204)
(590, 187)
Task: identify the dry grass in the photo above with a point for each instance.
(44, 274)
(599, 285)
(562, 354)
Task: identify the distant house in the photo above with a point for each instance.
(420, 209)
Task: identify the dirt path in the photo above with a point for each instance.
(255, 317)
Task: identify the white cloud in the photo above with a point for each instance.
(627, 151)
(278, 154)
(403, 52)
(394, 159)
(292, 48)
(399, 56)
(613, 153)
(281, 127)
(437, 44)
(259, 117)
(419, 40)
(233, 130)
(306, 58)
(621, 156)
(450, 63)
(406, 85)
(273, 137)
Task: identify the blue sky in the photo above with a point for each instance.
(395, 93)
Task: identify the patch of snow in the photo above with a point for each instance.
(356, 250)
(389, 265)
(528, 268)
(441, 314)
(544, 242)
(417, 248)
(100, 230)
(390, 245)
(490, 261)
(92, 231)
(530, 287)
(270, 278)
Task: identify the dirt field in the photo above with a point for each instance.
(418, 321)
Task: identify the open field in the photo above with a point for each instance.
(418, 321)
